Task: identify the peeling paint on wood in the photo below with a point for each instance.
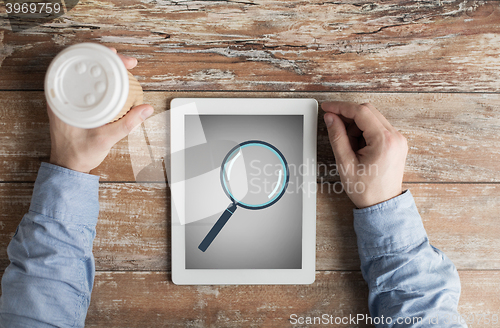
(452, 137)
(126, 299)
(239, 49)
(154, 301)
(133, 231)
(276, 45)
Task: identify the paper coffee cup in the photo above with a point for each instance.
(87, 85)
(135, 96)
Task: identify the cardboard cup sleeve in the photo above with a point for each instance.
(135, 97)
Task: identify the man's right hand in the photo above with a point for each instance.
(84, 149)
(370, 153)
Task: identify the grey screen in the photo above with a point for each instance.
(268, 238)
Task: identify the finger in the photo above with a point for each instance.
(380, 117)
(49, 111)
(344, 155)
(129, 62)
(362, 115)
(344, 119)
(53, 119)
(114, 132)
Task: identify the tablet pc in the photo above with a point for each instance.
(243, 190)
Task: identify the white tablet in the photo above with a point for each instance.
(243, 190)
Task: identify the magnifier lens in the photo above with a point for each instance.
(254, 175)
(235, 175)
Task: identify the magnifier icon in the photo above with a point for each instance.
(269, 183)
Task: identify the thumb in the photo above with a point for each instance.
(120, 129)
(344, 155)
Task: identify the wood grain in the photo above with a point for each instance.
(478, 296)
(420, 53)
(133, 231)
(396, 45)
(452, 137)
(149, 299)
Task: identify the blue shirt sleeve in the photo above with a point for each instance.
(411, 282)
(49, 280)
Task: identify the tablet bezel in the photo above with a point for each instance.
(306, 107)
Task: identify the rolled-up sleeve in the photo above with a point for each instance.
(408, 278)
(49, 280)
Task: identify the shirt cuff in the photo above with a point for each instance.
(66, 195)
(389, 227)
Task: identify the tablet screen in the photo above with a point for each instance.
(254, 237)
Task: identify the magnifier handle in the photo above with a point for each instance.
(217, 227)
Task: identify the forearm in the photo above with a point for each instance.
(50, 278)
(406, 276)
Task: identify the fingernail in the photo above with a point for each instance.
(328, 120)
(147, 112)
(130, 57)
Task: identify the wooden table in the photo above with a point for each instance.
(431, 67)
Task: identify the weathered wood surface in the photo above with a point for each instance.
(133, 231)
(149, 299)
(397, 45)
(239, 49)
(452, 137)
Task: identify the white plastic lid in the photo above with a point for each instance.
(86, 85)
